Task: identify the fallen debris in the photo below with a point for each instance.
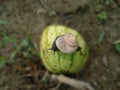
(72, 82)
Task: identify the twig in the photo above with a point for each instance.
(72, 82)
(117, 41)
(45, 75)
(44, 5)
(57, 87)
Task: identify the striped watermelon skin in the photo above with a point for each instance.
(58, 62)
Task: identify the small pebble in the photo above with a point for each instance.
(41, 11)
(105, 62)
(108, 70)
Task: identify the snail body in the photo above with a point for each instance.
(60, 50)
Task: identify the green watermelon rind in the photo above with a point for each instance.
(58, 62)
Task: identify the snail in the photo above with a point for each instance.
(66, 43)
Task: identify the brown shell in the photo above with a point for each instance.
(67, 43)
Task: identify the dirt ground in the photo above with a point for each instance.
(24, 17)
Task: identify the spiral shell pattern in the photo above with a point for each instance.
(67, 43)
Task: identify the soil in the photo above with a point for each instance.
(26, 17)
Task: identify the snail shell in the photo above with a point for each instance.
(67, 43)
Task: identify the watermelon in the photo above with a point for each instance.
(59, 62)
